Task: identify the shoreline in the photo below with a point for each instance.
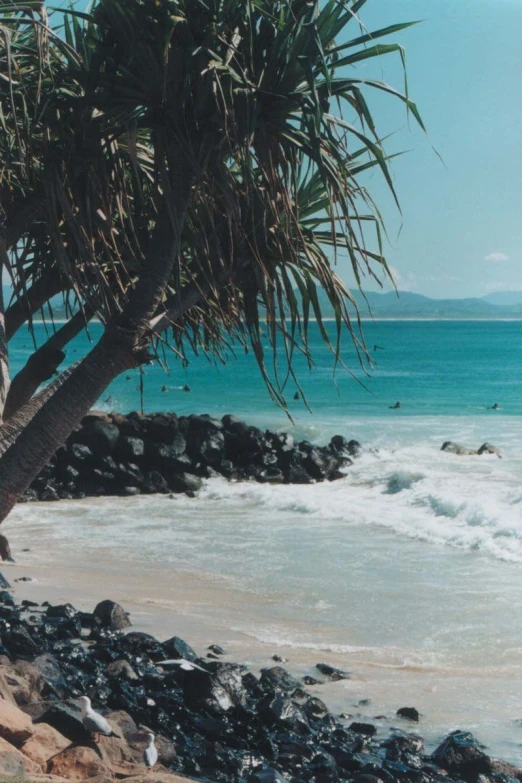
(170, 602)
(357, 742)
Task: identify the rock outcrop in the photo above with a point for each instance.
(113, 454)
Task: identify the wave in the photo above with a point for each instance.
(470, 503)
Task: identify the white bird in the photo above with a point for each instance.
(187, 666)
(94, 722)
(150, 754)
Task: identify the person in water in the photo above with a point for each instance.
(495, 407)
(394, 407)
(185, 388)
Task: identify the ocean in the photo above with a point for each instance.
(408, 572)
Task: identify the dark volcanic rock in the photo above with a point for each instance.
(217, 691)
(277, 677)
(410, 713)
(99, 435)
(111, 615)
(368, 729)
(55, 684)
(332, 672)
(177, 648)
(460, 754)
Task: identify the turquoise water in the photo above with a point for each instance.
(433, 368)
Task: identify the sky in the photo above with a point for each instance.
(460, 232)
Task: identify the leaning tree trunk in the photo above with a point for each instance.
(124, 345)
(61, 414)
(43, 364)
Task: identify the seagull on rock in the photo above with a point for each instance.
(150, 754)
(187, 666)
(94, 722)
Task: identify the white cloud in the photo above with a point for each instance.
(496, 257)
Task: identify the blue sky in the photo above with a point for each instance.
(462, 221)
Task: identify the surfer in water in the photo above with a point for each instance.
(394, 407)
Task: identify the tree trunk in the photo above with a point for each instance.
(61, 414)
(42, 364)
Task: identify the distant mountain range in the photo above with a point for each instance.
(404, 304)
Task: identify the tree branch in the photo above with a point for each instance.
(42, 364)
(39, 293)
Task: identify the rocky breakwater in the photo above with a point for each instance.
(219, 722)
(114, 454)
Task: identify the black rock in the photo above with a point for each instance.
(280, 709)
(332, 672)
(185, 482)
(6, 598)
(63, 611)
(461, 754)
(80, 454)
(409, 713)
(177, 648)
(310, 680)
(20, 644)
(279, 678)
(110, 615)
(368, 729)
(217, 690)
(100, 436)
(216, 649)
(55, 684)
(140, 643)
(129, 448)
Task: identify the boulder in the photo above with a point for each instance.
(332, 672)
(177, 648)
(13, 762)
(54, 683)
(409, 713)
(277, 677)
(185, 482)
(100, 436)
(15, 726)
(19, 643)
(488, 448)
(367, 729)
(110, 615)
(460, 755)
(218, 690)
(45, 743)
(280, 709)
(79, 763)
(456, 448)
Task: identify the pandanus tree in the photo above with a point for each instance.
(186, 171)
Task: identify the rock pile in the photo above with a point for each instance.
(114, 454)
(221, 724)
